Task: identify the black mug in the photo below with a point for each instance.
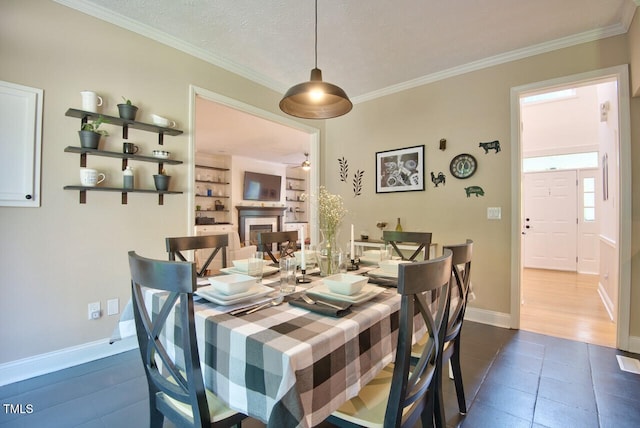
(129, 148)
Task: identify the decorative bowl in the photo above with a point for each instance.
(243, 264)
(232, 284)
(391, 266)
(345, 283)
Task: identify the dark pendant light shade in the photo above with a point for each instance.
(316, 99)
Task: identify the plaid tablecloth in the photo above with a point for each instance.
(290, 367)
(287, 366)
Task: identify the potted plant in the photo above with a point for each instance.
(127, 110)
(90, 134)
(162, 180)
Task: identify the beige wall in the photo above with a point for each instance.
(634, 54)
(465, 110)
(63, 255)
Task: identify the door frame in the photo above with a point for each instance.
(314, 147)
(621, 75)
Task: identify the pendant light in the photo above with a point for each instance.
(315, 99)
(306, 165)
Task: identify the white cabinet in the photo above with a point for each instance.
(20, 145)
(288, 227)
(212, 229)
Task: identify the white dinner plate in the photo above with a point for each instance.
(266, 271)
(367, 293)
(211, 294)
(383, 273)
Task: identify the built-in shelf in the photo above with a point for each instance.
(211, 196)
(212, 167)
(212, 182)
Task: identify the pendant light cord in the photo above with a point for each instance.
(316, 34)
(316, 59)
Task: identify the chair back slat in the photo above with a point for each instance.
(164, 377)
(287, 243)
(424, 290)
(421, 239)
(215, 243)
(460, 281)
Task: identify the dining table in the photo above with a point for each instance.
(293, 364)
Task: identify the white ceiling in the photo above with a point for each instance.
(369, 48)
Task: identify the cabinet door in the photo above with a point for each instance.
(20, 145)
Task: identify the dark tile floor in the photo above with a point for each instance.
(512, 379)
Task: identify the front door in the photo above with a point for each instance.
(550, 220)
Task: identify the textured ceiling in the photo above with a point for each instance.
(369, 47)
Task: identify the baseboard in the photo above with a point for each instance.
(634, 344)
(606, 301)
(38, 365)
(483, 316)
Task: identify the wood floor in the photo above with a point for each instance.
(566, 305)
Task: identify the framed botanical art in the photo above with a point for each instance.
(400, 170)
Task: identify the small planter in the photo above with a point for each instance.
(89, 139)
(127, 111)
(161, 181)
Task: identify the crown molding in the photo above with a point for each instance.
(506, 57)
(125, 22)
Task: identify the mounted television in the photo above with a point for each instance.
(261, 187)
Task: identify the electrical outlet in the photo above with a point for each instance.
(94, 310)
(113, 306)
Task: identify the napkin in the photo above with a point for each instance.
(323, 309)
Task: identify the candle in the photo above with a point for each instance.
(353, 257)
(303, 263)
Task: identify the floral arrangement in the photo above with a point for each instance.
(331, 211)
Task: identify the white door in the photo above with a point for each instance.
(550, 220)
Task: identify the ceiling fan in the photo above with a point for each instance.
(305, 165)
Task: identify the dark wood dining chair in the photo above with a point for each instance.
(405, 391)
(286, 242)
(211, 244)
(460, 280)
(176, 387)
(422, 239)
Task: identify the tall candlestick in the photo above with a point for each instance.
(353, 254)
(303, 263)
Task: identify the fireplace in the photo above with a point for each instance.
(252, 220)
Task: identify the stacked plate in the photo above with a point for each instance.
(232, 289)
(349, 288)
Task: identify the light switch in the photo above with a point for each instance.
(494, 213)
(113, 306)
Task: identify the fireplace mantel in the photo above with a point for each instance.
(245, 211)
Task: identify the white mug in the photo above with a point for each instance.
(90, 177)
(90, 101)
(162, 121)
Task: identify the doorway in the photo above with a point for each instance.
(615, 227)
(248, 132)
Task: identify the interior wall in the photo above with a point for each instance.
(466, 110)
(58, 258)
(561, 126)
(634, 54)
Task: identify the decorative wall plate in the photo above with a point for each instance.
(463, 166)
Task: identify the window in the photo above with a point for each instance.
(558, 162)
(589, 199)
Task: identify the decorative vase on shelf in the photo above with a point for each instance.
(328, 252)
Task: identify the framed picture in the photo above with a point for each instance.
(400, 170)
